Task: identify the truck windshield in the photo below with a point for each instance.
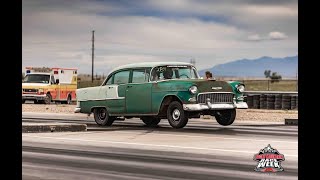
(173, 72)
(37, 78)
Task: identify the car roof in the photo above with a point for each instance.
(150, 64)
(43, 73)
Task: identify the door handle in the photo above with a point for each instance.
(110, 87)
(129, 86)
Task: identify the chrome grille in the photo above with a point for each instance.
(216, 97)
(30, 90)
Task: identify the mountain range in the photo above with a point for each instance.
(286, 67)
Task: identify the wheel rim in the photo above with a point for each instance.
(102, 114)
(176, 114)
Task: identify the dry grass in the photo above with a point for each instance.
(262, 85)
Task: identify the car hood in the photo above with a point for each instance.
(212, 86)
(34, 85)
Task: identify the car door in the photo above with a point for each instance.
(138, 93)
(114, 92)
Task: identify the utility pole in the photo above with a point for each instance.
(92, 54)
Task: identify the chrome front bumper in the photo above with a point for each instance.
(33, 97)
(242, 105)
(209, 106)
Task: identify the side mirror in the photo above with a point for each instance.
(57, 81)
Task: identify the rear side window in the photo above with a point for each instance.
(140, 75)
(121, 77)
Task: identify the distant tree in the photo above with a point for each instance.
(267, 73)
(275, 77)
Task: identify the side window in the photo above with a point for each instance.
(140, 75)
(109, 81)
(121, 77)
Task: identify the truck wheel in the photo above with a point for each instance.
(69, 99)
(151, 121)
(48, 99)
(226, 117)
(102, 118)
(176, 115)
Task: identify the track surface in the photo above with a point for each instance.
(129, 150)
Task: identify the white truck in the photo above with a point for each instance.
(45, 85)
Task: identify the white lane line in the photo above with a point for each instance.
(151, 145)
(191, 136)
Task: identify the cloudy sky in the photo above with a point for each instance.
(58, 32)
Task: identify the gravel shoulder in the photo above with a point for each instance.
(242, 114)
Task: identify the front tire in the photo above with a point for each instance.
(176, 115)
(102, 118)
(151, 121)
(48, 99)
(226, 117)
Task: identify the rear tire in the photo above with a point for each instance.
(102, 118)
(151, 121)
(69, 99)
(226, 117)
(176, 115)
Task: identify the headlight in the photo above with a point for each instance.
(41, 91)
(193, 89)
(240, 88)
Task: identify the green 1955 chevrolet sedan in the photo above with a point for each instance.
(160, 90)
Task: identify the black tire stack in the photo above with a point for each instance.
(270, 101)
(256, 101)
(286, 102)
(278, 101)
(263, 101)
(293, 102)
(249, 101)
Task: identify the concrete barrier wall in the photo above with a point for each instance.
(272, 100)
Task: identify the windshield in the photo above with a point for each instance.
(173, 72)
(37, 78)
